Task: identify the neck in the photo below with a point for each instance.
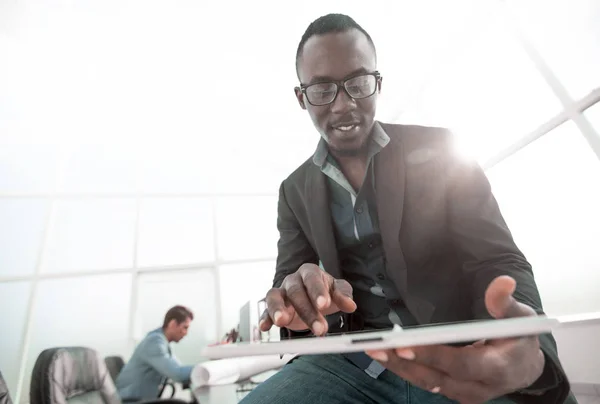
(350, 157)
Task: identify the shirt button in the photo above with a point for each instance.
(359, 210)
(380, 276)
(371, 245)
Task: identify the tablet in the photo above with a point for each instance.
(433, 334)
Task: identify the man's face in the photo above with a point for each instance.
(346, 123)
(179, 330)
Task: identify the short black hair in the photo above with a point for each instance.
(330, 23)
(179, 314)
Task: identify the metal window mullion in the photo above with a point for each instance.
(128, 195)
(590, 134)
(216, 269)
(140, 269)
(576, 108)
(133, 303)
(559, 90)
(27, 329)
(26, 340)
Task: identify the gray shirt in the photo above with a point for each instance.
(358, 240)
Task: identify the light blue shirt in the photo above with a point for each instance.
(150, 365)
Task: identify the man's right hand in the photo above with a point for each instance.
(305, 298)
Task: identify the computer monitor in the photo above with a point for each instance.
(247, 321)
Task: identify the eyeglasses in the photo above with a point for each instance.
(357, 87)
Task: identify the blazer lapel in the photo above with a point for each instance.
(390, 182)
(319, 216)
(391, 187)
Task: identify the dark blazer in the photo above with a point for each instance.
(443, 234)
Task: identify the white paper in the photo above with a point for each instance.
(228, 371)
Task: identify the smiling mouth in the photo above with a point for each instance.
(346, 127)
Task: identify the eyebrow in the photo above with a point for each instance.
(320, 79)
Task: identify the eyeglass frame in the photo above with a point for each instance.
(342, 84)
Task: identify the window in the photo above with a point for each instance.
(28, 167)
(90, 235)
(22, 223)
(101, 168)
(14, 297)
(593, 114)
(567, 35)
(247, 227)
(176, 231)
(548, 193)
(490, 95)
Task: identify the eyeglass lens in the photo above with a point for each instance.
(357, 87)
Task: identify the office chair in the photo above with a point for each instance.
(4, 395)
(75, 375)
(114, 364)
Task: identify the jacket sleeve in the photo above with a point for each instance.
(293, 248)
(487, 250)
(157, 356)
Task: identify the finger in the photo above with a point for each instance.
(265, 322)
(280, 313)
(417, 374)
(500, 302)
(297, 296)
(433, 380)
(462, 363)
(342, 296)
(316, 285)
(487, 364)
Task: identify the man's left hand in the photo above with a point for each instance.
(479, 372)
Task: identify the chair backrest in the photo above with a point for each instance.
(114, 364)
(71, 375)
(4, 395)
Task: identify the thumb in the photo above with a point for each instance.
(500, 302)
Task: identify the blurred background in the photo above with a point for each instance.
(142, 144)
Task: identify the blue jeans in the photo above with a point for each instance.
(332, 379)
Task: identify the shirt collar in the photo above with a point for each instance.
(378, 140)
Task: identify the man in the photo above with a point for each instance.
(407, 234)
(152, 362)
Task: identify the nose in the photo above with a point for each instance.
(342, 103)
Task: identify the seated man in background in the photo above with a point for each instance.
(152, 362)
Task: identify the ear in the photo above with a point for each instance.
(300, 97)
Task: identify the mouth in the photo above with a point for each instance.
(345, 126)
